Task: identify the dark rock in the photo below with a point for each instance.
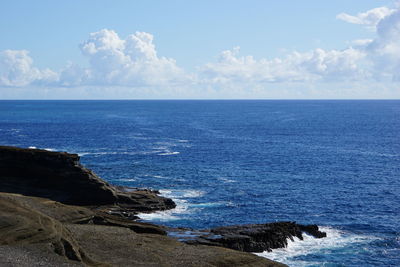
(312, 230)
(256, 237)
(59, 176)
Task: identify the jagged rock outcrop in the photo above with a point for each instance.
(59, 176)
(256, 237)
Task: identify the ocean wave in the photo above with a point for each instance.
(169, 153)
(335, 239)
(159, 177)
(126, 179)
(211, 204)
(168, 215)
(179, 194)
(182, 206)
(225, 180)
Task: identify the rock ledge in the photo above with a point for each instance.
(59, 176)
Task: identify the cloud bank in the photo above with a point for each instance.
(16, 69)
(316, 65)
(133, 62)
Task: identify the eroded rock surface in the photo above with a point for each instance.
(59, 176)
(41, 232)
(21, 224)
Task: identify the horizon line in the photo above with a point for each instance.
(211, 99)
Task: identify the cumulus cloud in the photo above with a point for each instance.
(384, 50)
(361, 43)
(367, 60)
(129, 62)
(16, 69)
(369, 18)
(317, 65)
(133, 63)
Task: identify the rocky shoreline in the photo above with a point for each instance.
(55, 212)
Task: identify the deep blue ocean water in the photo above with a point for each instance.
(331, 163)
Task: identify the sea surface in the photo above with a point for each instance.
(331, 163)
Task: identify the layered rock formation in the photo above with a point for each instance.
(40, 232)
(59, 176)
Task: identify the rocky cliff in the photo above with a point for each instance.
(55, 212)
(59, 176)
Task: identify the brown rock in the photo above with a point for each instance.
(22, 225)
(27, 233)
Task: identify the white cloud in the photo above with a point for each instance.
(134, 66)
(129, 62)
(317, 65)
(16, 70)
(384, 50)
(369, 18)
(361, 43)
(73, 75)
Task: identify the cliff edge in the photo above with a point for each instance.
(59, 176)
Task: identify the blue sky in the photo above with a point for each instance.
(199, 49)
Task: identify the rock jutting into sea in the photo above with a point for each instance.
(55, 212)
(255, 237)
(59, 176)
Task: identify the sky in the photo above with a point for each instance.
(179, 49)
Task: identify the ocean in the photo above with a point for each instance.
(331, 163)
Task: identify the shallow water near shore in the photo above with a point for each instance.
(331, 163)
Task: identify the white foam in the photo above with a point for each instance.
(335, 239)
(179, 194)
(32, 147)
(167, 215)
(159, 177)
(226, 180)
(182, 205)
(169, 153)
(127, 179)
